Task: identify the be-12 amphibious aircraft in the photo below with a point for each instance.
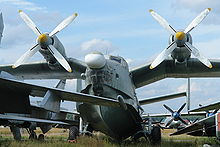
(109, 103)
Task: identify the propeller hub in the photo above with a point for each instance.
(95, 60)
(180, 35)
(42, 38)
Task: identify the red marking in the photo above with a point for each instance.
(218, 121)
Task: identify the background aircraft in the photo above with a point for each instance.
(208, 126)
(46, 114)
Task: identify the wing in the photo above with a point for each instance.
(143, 75)
(28, 119)
(161, 98)
(41, 70)
(40, 91)
(208, 122)
(185, 115)
(207, 108)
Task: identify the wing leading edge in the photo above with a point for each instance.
(40, 91)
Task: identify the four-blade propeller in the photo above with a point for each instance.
(180, 36)
(175, 115)
(45, 41)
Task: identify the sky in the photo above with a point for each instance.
(123, 28)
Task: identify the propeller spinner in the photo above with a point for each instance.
(45, 41)
(180, 38)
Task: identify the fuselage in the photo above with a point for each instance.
(113, 80)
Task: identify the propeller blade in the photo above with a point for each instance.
(63, 24)
(59, 58)
(197, 20)
(181, 108)
(26, 55)
(179, 118)
(163, 55)
(169, 122)
(29, 22)
(168, 108)
(162, 22)
(198, 55)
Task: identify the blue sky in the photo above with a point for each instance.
(123, 28)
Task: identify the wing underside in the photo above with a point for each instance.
(143, 75)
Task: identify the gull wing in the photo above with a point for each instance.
(143, 75)
(41, 70)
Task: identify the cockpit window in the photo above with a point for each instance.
(114, 58)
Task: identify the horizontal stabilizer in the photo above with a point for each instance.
(161, 98)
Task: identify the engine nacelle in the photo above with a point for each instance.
(53, 64)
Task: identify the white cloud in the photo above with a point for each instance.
(23, 4)
(103, 46)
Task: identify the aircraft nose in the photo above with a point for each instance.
(95, 60)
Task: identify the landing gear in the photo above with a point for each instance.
(73, 134)
(16, 132)
(155, 135)
(33, 135)
(41, 137)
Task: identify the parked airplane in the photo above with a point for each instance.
(208, 126)
(175, 120)
(45, 115)
(47, 44)
(109, 103)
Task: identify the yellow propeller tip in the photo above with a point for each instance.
(151, 67)
(76, 14)
(20, 11)
(70, 70)
(151, 10)
(13, 66)
(209, 9)
(210, 66)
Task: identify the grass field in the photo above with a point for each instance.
(58, 138)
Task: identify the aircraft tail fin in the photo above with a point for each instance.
(1, 26)
(51, 101)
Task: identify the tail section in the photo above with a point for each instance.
(1, 26)
(51, 101)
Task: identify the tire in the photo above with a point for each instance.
(155, 136)
(41, 137)
(33, 136)
(73, 133)
(16, 133)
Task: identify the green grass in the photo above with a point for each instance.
(58, 138)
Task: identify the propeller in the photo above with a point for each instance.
(45, 41)
(180, 38)
(175, 115)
